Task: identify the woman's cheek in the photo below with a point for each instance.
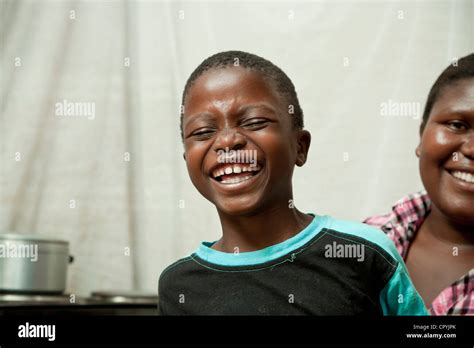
(442, 138)
(438, 144)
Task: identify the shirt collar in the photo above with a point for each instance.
(261, 256)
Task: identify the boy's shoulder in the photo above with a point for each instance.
(364, 232)
(337, 230)
(175, 268)
(398, 295)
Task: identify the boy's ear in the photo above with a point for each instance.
(184, 156)
(304, 141)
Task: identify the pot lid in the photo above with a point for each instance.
(34, 298)
(30, 238)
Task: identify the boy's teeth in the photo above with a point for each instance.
(236, 169)
(468, 177)
(235, 180)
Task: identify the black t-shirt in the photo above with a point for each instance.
(332, 267)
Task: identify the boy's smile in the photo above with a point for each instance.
(240, 143)
(446, 152)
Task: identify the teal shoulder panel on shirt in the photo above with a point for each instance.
(366, 232)
(399, 296)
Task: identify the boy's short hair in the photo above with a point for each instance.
(270, 72)
(454, 72)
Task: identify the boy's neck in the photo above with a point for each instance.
(250, 233)
(446, 231)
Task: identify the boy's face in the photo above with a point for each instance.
(236, 109)
(446, 152)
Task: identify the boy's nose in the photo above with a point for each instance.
(229, 138)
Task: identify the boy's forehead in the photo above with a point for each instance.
(222, 104)
(225, 88)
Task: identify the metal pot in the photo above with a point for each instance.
(33, 264)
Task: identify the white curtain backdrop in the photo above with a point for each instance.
(115, 185)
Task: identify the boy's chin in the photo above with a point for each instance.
(236, 208)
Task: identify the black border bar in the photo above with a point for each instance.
(139, 330)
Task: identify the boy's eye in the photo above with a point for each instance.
(457, 125)
(203, 133)
(255, 124)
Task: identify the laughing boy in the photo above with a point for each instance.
(272, 259)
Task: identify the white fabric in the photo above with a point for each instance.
(345, 59)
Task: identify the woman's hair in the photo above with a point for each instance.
(453, 73)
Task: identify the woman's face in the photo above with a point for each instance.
(446, 152)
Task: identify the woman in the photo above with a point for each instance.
(434, 230)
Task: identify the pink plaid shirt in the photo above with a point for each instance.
(401, 225)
